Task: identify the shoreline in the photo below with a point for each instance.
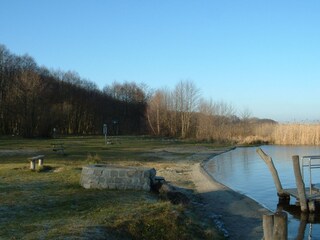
(236, 215)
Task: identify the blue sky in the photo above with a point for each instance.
(258, 55)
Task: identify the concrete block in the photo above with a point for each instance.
(97, 172)
(122, 173)
(118, 180)
(86, 185)
(131, 173)
(114, 173)
(106, 173)
(116, 177)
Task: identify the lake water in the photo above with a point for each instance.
(244, 171)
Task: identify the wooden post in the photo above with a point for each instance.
(274, 172)
(302, 225)
(275, 227)
(280, 227)
(300, 184)
(312, 217)
(312, 206)
(267, 221)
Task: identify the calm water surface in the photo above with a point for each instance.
(243, 170)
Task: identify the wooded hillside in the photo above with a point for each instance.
(35, 100)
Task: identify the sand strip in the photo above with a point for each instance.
(239, 216)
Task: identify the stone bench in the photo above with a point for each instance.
(39, 158)
(58, 147)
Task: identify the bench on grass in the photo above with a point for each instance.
(58, 147)
(39, 158)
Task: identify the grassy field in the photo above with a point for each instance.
(50, 204)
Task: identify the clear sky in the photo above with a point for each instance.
(261, 55)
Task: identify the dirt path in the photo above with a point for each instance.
(237, 215)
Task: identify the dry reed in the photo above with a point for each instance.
(297, 134)
(282, 134)
(256, 132)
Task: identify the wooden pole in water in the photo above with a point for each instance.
(275, 226)
(300, 184)
(302, 225)
(280, 226)
(267, 221)
(268, 160)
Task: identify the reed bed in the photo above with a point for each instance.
(282, 134)
(296, 134)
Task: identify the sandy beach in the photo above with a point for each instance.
(236, 215)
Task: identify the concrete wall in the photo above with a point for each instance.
(104, 176)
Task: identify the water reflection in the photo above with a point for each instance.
(295, 212)
(244, 171)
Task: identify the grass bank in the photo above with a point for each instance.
(50, 204)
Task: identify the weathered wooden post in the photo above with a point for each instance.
(275, 226)
(268, 160)
(300, 184)
(280, 227)
(302, 225)
(267, 224)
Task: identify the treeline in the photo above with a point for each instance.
(182, 112)
(35, 100)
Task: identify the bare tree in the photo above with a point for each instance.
(205, 125)
(128, 92)
(245, 114)
(159, 113)
(153, 112)
(133, 102)
(222, 108)
(186, 102)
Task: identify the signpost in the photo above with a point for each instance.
(105, 132)
(54, 132)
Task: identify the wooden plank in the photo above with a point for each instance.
(36, 157)
(316, 187)
(315, 197)
(294, 193)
